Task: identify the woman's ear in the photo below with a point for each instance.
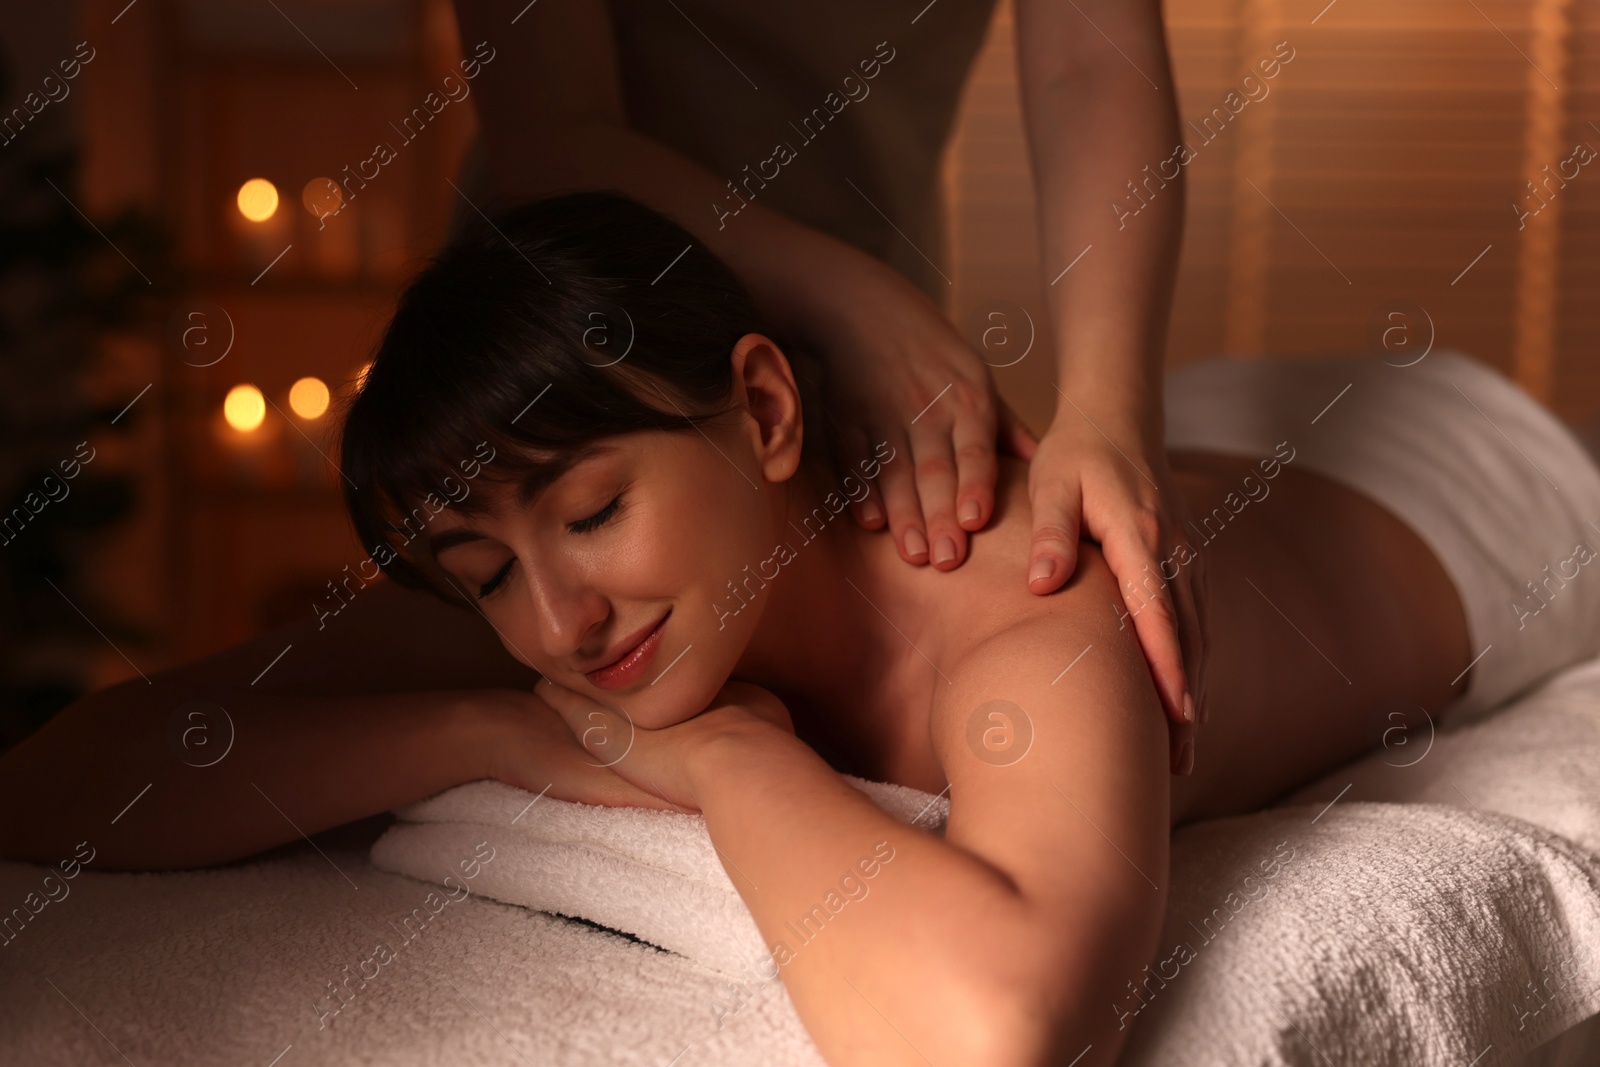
(765, 385)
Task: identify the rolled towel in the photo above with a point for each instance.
(651, 874)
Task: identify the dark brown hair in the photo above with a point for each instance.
(538, 330)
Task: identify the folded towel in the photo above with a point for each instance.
(653, 874)
(1463, 914)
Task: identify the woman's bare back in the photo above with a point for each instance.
(1326, 614)
(1331, 623)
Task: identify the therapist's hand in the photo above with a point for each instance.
(900, 378)
(1120, 493)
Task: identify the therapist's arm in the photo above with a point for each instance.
(1101, 119)
(552, 119)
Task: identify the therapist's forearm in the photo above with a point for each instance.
(1091, 134)
(794, 272)
(552, 120)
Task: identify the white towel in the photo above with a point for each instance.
(1497, 486)
(1423, 923)
(652, 874)
(1463, 914)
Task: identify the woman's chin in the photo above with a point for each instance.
(660, 710)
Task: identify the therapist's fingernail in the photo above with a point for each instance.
(870, 512)
(970, 511)
(916, 544)
(944, 549)
(1188, 707)
(1043, 567)
(1186, 758)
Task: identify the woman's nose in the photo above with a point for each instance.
(567, 613)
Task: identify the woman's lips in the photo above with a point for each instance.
(633, 663)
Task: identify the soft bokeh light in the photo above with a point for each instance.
(258, 199)
(308, 398)
(244, 408)
(322, 197)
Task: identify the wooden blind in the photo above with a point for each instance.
(1379, 172)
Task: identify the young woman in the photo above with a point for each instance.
(583, 456)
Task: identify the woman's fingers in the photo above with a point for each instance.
(545, 757)
(606, 733)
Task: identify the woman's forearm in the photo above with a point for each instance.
(850, 902)
(151, 786)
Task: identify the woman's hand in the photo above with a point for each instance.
(897, 371)
(658, 763)
(1121, 494)
(532, 748)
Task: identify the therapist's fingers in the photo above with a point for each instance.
(897, 485)
(1181, 742)
(861, 464)
(1057, 521)
(977, 472)
(1130, 551)
(1199, 660)
(935, 469)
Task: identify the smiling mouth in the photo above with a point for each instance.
(628, 667)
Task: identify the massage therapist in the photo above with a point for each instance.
(801, 142)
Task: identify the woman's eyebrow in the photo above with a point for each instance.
(528, 490)
(450, 539)
(542, 477)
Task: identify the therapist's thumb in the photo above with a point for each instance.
(1053, 552)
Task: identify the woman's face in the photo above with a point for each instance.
(607, 580)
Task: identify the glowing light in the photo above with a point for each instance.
(322, 197)
(258, 200)
(308, 398)
(244, 408)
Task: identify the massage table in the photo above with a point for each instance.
(1436, 902)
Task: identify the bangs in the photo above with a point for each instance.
(535, 333)
(524, 341)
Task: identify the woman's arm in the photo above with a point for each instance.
(1009, 941)
(552, 121)
(394, 699)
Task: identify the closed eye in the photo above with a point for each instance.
(598, 518)
(497, 581)
(594, 521)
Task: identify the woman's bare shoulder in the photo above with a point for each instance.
(988, 594)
